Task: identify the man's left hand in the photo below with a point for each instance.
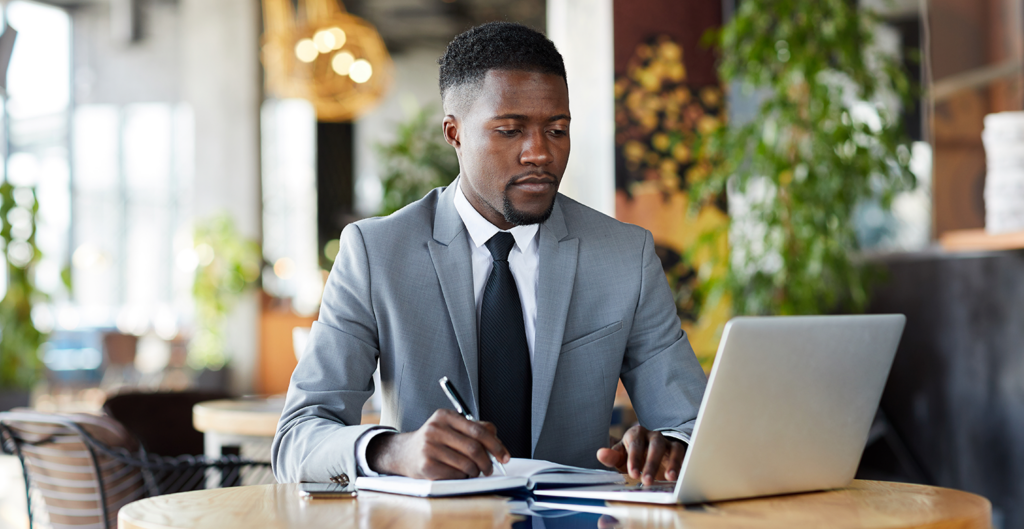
(645, 455)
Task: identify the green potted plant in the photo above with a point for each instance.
(822, 143)
(228, 264)
(20, 365)
(417, 161)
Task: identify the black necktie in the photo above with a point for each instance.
(506, 383)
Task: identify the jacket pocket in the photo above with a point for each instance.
(607, 330)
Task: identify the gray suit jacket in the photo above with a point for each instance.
(401, 294)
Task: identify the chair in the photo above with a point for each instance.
(84, 468)
(119, 351)
(161, 421)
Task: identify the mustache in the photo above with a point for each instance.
(541, 177)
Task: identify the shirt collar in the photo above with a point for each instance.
(481, 230)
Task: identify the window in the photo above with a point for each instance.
(131, 188)
(35, 140)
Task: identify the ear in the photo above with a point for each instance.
(450, 125)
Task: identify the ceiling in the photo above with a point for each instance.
(405, 23)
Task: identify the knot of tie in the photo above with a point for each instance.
(500, 245)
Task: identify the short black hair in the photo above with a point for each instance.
(497, 46)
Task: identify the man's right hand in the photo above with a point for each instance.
(447, 446)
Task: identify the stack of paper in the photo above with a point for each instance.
(1004, 180)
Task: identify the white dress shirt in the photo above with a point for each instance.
(523, 261)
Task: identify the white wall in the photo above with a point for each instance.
(221, 80)
(582, 31)
(109, 72)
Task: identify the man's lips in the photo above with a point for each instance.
(534, 184)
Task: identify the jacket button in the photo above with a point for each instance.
(341, 479)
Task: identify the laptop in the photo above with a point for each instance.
(787, 409)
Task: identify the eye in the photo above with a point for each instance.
(508, 133)
(558, 132)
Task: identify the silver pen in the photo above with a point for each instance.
(463, 409)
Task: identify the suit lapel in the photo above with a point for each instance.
(452, 258)
(557, 272)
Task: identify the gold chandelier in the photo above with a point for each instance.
(335, 60)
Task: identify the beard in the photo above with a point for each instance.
(518, 217)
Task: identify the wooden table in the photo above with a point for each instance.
(227, 425)
(980, 241)
(233, 423)
(865, 504)
(243, 427)
(250, 417)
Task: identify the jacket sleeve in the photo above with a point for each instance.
(660, 372)
(320, 425)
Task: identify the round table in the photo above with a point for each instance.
(242, 417)
(243, 427)
(864, 504)
(248, 421)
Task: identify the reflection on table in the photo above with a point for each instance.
(865, 504)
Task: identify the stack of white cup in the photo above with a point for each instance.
(1004, 180)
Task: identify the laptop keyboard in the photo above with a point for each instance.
(659, 488)
(662, 486)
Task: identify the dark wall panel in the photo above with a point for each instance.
(334, 182)
(956, 391)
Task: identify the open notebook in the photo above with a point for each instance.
(522, 473)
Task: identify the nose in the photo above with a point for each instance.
(536, 150)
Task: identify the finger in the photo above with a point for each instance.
(499, 450)
(439, 431)
(614, 457)
(463, 466)
(429, 458)
(674, 461)
(484, 434)
(434, 470)
(636, 449)
(656, 449)
(473, 440)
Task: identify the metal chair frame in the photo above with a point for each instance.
(148, 464)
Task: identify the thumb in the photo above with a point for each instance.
(612, 457)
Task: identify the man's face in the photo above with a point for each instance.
(512, 138)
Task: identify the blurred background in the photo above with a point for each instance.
(176, 174)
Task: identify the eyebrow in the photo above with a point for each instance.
(522, 117)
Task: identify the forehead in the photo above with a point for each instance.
(530, 94)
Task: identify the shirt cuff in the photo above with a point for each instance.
(362, 443)
(677, 435)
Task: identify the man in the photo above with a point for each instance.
(533, 305)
